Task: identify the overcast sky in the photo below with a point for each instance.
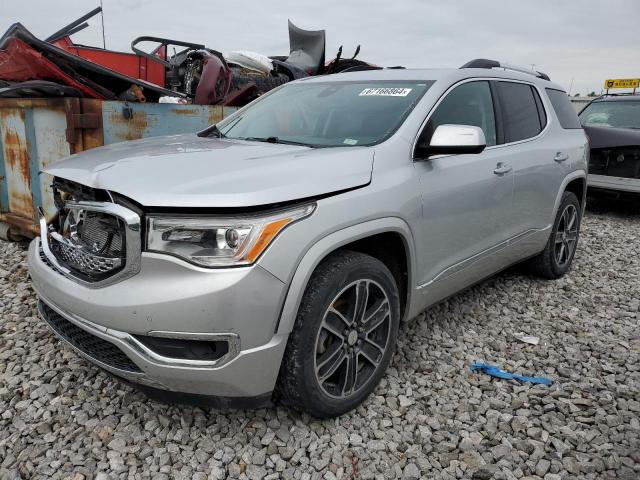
(585, 41)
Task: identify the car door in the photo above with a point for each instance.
(466, 198)
(538, 160)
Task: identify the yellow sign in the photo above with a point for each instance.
(622, 83)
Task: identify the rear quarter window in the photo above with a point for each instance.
(565, 112)
(520, 114)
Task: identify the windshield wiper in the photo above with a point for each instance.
(277, 140)
(212, 131)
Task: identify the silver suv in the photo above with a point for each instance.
(273, 255)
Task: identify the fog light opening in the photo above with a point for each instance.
(201, 350)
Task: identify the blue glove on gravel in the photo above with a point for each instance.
(498, 373)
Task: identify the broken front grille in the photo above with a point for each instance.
(91, 244)
(95, 347)
(93, 241)
(84, 262)
(102, 232)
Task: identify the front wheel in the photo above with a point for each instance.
(555, 260)
(343, 338)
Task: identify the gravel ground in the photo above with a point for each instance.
(430, 418)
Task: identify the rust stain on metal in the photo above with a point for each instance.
(16, 155)
(94, 137)
(186, 111)
(136, 125)
(24, 225)
(20, 203)
(73, 136)
(17, 159)
(49, 103)
(215, 115)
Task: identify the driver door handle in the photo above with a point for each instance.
(502, 168)
(561, 157)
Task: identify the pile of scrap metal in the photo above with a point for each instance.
(30, 67)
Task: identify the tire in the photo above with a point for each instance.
(263, 83)
(316, 336)
(267, 83)
(550, 263)
(345, 64)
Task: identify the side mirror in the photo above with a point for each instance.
(454, 139)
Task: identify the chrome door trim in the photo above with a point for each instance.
(461, 265)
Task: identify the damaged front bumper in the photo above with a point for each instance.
(170, 299)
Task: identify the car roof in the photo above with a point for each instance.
(449, 75)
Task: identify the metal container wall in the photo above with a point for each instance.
(155, 119)
(35, 133)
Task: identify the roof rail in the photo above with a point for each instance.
(486, 63)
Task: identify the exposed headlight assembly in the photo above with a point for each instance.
(222, 241)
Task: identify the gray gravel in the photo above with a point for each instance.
(431, 417)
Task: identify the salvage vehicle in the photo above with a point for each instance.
(159, 69)
(273, 255)
(612, 123)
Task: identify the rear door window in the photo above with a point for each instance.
(567, 115)
(520, 113)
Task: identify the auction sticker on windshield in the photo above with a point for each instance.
(385, 92)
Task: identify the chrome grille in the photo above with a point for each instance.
(89, 243)
(93, 231)
(95, 243)
(87, 263)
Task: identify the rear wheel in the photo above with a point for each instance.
(343, 338)
(555, 260)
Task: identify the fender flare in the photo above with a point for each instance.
(332, 242)
(563, 188)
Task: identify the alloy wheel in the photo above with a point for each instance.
(352, 339)
(566, 236)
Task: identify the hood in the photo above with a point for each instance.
(611, 137)
(189, 171)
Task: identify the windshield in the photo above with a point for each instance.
(621, 114)
(327, 114)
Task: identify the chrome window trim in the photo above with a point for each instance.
(543, 99)
(133, 260)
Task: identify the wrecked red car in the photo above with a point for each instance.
(193, 73)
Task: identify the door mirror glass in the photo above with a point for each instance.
(454, 139)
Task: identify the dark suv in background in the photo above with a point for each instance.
(612, 123)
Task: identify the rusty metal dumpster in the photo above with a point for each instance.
(35, 133)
